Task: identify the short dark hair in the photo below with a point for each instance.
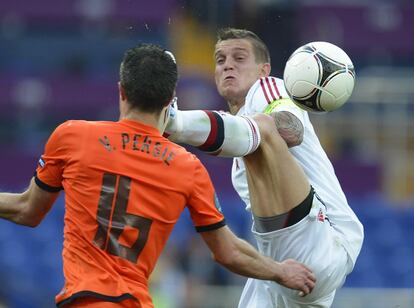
(149, 76)
(261, 52)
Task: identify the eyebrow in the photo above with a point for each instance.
(233, 49)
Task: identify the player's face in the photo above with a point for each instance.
(236, 69)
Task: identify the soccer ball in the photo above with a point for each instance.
(319, 77)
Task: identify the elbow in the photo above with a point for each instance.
(227, 259)
(25, 219)
(32, 223)
(27, 208)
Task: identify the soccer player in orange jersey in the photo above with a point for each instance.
(125, 187)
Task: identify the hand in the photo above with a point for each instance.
(297, 276)
(173, 124)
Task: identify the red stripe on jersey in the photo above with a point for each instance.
(270, 88)
(277, 90)
(264, 90)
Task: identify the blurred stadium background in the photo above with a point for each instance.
(59, 61)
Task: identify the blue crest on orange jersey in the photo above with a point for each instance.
(41, 162)
(217, 203)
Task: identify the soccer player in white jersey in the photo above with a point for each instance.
(280, 171)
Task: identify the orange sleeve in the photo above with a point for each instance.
(49, 172)
(204, 205)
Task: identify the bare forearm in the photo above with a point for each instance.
(27, 208)
(247, 261)
(289, 273)
(241, 258)
(12, 206)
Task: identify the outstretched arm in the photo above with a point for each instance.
(27, 208)
(241, 258)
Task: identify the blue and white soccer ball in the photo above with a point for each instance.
(319, 77)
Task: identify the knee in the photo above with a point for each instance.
(267, 128)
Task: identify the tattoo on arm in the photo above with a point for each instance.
(289, 126)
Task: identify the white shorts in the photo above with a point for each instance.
(313, 242)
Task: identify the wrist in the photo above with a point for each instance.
(278, 272)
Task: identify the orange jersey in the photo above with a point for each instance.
(125, 187)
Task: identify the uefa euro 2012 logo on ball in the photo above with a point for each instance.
(319, 77)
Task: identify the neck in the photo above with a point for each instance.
(150, 119)
(234, 106)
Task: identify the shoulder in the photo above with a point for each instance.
(71, 125)
(71, 132)
(83, 123)
(270, 88)
(263, 92)
(186, 161)
(186, 167)
(78, 126)
(182, 153)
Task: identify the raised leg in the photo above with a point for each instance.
(276, 181)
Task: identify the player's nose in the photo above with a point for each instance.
(228, 65)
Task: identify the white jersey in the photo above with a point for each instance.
(310, 156)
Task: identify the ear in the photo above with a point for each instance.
(265, 70)
(121, 91)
